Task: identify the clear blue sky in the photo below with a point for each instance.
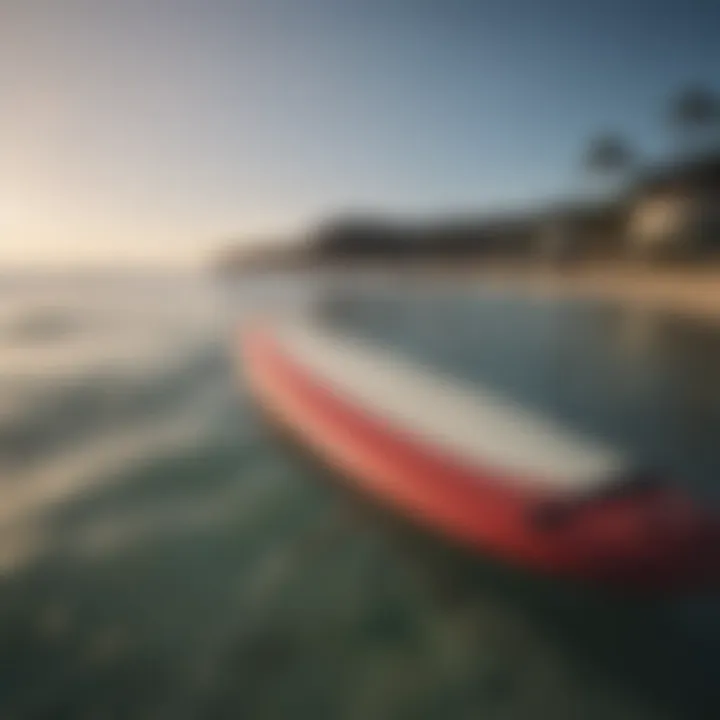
(149, 130)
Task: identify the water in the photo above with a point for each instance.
(163, 556)
(644, 382)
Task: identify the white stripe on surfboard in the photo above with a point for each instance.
(466, 420)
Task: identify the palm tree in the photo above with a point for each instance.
(694, 114)
(608, 157)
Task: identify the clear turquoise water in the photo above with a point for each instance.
(163, 556)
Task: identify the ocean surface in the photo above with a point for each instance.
(164, 555)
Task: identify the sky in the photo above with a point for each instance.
(154, 131)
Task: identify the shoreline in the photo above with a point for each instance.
(692, 293)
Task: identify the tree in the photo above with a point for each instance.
(607, 154)
(608, 158)
(694, 114)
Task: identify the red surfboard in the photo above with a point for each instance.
(477, 468)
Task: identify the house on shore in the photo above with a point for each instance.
(675, 211)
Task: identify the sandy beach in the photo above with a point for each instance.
(691, 292)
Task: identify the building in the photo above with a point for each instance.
(676, 211)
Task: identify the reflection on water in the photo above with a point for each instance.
(162, 555)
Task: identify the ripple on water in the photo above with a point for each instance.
(167, 559)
